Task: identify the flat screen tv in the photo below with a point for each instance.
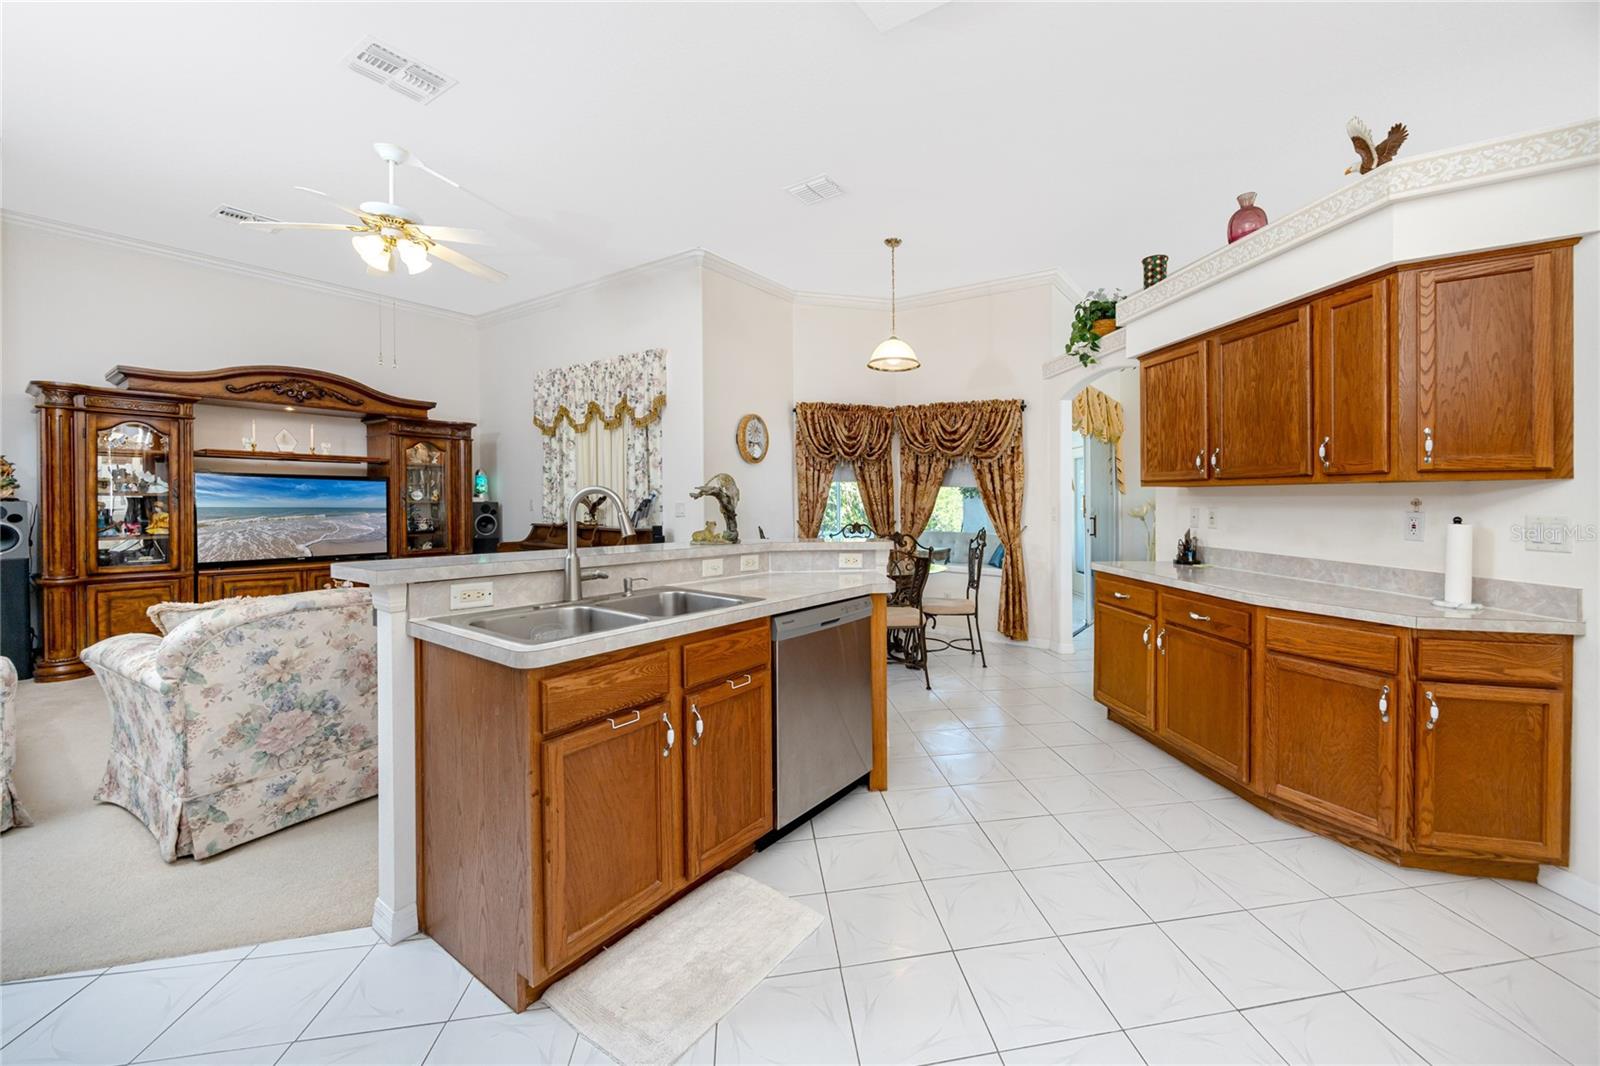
(254, 518)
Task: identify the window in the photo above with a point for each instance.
(958, 514)
(948, 508)
(844, 508)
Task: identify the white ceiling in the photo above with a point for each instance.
(996, 139)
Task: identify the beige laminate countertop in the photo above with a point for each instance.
(777, 593)
(1337, 601)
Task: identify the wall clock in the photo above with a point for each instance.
(752, 438)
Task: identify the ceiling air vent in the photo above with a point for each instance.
(816, 190)
(406, 75)
(235, 214)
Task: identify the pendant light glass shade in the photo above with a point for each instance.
(893, 355)
(414, 256)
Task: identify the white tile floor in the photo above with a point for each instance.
(1038, 886)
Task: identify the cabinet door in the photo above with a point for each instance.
(1203, 704)
(1492, 771)
(135, 468)
(1486, 355)
(222, 585)
(727, 769)
(1352, 380)
(611, 805)
(1124, 663)
(1330, 742)
(427, 490)
(1172, 415)
(1260, 380)
(113, 608)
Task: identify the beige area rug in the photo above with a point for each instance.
(85, 887)
(651, 995)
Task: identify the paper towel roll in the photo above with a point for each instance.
(1458, 564)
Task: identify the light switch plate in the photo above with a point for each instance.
(749, 563)
(849, 560)
(1547, 533)
(467, 594)
(1194, 518)
(711, 567)
(680, 510)
(1414, 525)
(1211, 518)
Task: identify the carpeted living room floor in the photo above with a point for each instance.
(85, 887)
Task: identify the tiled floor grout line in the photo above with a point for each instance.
(334, 994)
(181, 1014)
(52, 1010)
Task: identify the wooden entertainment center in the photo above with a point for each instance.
(117, 494)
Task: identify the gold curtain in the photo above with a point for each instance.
(989, 434)
(921, 474)
(1094, 414)
(827, 434)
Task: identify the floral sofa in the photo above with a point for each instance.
(243, 719)
(11, 812)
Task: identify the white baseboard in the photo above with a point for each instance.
(1564, 882)
(393, 926)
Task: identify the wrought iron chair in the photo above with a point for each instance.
(908, 569)
(938, 607)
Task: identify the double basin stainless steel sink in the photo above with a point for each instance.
(543, 625)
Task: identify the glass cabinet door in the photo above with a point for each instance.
(427, 497)
(133, 519)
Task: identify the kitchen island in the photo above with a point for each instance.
(470, 692)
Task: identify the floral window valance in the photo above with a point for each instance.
(632, 386)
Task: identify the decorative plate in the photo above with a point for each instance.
(285, 441)
(751, 437)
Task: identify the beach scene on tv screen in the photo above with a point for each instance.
(241, 518)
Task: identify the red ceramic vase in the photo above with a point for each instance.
(1247, 219)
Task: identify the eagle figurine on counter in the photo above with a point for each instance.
(1374, 157)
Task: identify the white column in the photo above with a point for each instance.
(394, 912)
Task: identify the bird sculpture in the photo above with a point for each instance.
(1373, 156)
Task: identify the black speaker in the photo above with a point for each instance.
(14, 586)
(485, 526)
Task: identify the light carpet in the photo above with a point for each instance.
(651, 995)
(84, 886)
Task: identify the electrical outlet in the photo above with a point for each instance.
(849, 560)
(471, 594)
(1211, 518)
(1414, 525)
(749, 563)
(680, 510)
(1547, 533)
(1194, 518)
(711, 567)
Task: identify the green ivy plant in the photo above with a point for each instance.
(1084, 342)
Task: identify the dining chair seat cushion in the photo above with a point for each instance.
(948, 605)
(905, 618)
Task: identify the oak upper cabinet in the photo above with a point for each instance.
(1487, 345)
(727, 769)
(1203, 681)
(1260, 382)
(611, 827)
(1173, 420)
(1491, 774)
(1330, 722)
(1353, 370)
(1124, 660)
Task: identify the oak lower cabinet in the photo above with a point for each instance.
(560, 807)
(1124, 661)
(1203, 702)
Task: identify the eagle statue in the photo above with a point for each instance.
(1373, 156)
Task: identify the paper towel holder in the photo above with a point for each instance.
(1457, 606)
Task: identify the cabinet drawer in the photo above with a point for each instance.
(730, 651)
(1505, 662)
(1206, 616)
(590, 692)
(1128, 595)
(1331, 642)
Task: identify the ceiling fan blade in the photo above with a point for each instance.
(271, 227)
(454, 234)
(449, 255)
(413, 161)
(318, 192)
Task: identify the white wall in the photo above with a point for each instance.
(74, 308)
(654, 307)
(749, 369)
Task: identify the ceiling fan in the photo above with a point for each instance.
(388, 232)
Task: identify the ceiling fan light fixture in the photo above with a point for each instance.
(893, 355)
(373, 250)
(414, 256)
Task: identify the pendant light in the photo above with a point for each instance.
(893, 355)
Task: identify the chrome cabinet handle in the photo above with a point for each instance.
(741, 684)
(672, 736)
(1146, 636)
(1383, 705)
(1199, 460)
(1121, 596)
(1216, 467)
(1322, 451)
(1433, 709)
(699, 725)
(1160, 637)
(1427, 444)
(618, 725)
(1200, 617)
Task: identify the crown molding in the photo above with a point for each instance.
(729, 269)
(230, 266)
(549, 299)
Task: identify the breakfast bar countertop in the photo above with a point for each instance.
(775, 593)
(1338, 600)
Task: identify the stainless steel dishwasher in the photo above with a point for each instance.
(822, 669)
